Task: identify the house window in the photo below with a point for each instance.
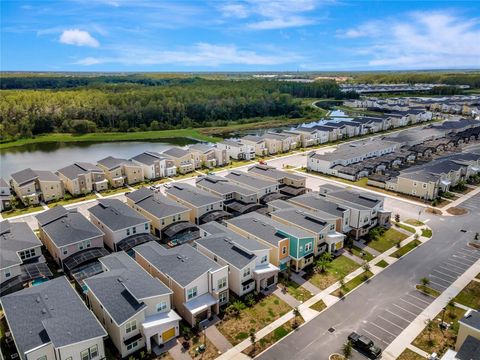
(69, 358)
(264, 259)
(128, 232)
(321, 236)
(146, 226)
(163, 221)
(93, 352)
(27, 254)
(424, 186)
(65, 251)
(162, 306)
(84, 355)
(222, 283)
(191, 293)
(214, 256)
(308, 247)
(246, 272)
(332, 226)
(134, 230)
(246, 287)
(284, 250)
(131, 326)
(222, 298)
(132, 345)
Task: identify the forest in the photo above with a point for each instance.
(456, 78)
(34, 105)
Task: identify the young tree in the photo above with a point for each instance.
(397, 217)
(416, 236)
(366, 266)
(253, 339)
(296, 314)
(424, 281)
(347, 350)
(429, 326)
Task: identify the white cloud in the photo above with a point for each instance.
(78, 37)
(423, 40)
(201, 54)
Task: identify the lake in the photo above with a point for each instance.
(54, 156)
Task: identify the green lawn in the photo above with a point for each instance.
(386, 240)
(352, 284)
(470, 295)
(355, 250)
(427, 233)
(428, 290)
(408, 354)
(298, 292)
(382, 264)
(21, 211)
(318, 306)
(414, 222)
(405, 249)
(71, 200)
(339, 268)
(115, 191)
(405, 227)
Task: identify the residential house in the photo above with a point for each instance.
(121, 171)
(50, 321)
(70, 238)
(20, 251)
(467, 346)
(248, 261)
(288, 244)
(289, 184)
(134, 307)
(262, 187)
(34, 186)
(328, 132)
(5, 195)
(82, 178)
(168, 218)
(310, 136)
(181, 158)
(199, 285)
(281, 142)
(238, 149)
(155, 165)
(208, 156)
(122, 226)
(205, 206)
(258, 143)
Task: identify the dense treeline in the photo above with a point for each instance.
(472, 79)
(109, 104)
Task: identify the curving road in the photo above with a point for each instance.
(386, 305)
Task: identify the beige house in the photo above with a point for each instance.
(120, 171)
(469, 325)
(281, 142)
(162, 212)
(289, 184)
(258, 143)
(154, 165)
(34, 186)
(5, 195)
(181, 158)
(208, 156)
(83, 178)
(199, 285)
(134, 307)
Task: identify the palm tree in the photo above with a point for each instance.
(253, 339)
(425, 281)
(347, 350)
(366, 266)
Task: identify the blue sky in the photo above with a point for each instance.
(270, 35)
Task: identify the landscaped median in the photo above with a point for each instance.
(381, 239)
(352, 284)
(335, 270)
(470, 295)
(406, 249)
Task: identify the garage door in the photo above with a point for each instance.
(167, 335)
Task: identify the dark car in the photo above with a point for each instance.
(364, 345)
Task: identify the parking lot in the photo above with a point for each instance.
(390, 322)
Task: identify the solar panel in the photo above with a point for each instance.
(84, 256)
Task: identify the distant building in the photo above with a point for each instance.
(34, 186)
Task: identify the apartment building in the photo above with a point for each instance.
(34, 186)
(20, 255)
(258, 143)
(238, 149)
(134, 307)
(205, 207)
(288, 244)
(289, 184)
(208, 156)
(155, 165)
(182, 159)
(50, 322)
(248, 260)
(199, 285)
(168, 218)
(121, 171)
(262, 187)
(82, 178)
(122, 226)
(281, 142)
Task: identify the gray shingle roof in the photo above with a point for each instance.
(148, 157)
(303, 218)
(111, 162)
(15, 237)
(182, 263)
(176, 152)
(222, 185)
(116, 215)
(215, 228)
(272, 172)
(51, 311)
(355, 199)
(314, 200)
(249, 180)
(192, 195)
(156, 204)
(470, 349)
(122, 288)
(79, 168)
(472, 319)
(3, 183)
(24, 176)
(65, 227)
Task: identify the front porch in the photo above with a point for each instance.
(160, 328)
(201, 308)
(265, 276)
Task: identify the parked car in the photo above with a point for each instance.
(167, 186)
(364, 345)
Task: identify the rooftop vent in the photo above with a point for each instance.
(44, 311)
(37, 299)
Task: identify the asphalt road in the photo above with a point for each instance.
(382, 308)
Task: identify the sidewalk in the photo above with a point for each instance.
(409, 334)
(462, 199)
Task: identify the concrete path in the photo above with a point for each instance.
(307, 285)
(362, 246)
(353, 257)
(45, 206)
(418, 351)
(285, 296)
(409, 334)
(179, 353)
(462, 199)
(217, 339)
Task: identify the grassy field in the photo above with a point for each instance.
(405, 249)
(298, 292)
(414, 222)
(386, 240)
(21, 211)
(355, 250)
(405, 227)
(210, 353)
(436, 340)
(428, 290)
(352, 284)
(470, 295)
(338, 268)
(382, 264)
(72, 200)
(253, 319)
(318, 306)
(427, 233)
(410, 355)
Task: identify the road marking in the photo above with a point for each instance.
(426, 221)
(450, 276)
(398, 316)
(408, 302)
(376, 337)
(441, 279)
(458, 262)
(467, 253)
(440, 285)
(388, 332)
(453, 271)
(469, 262)
(405, 310)
(422, 300)
(390, 322)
